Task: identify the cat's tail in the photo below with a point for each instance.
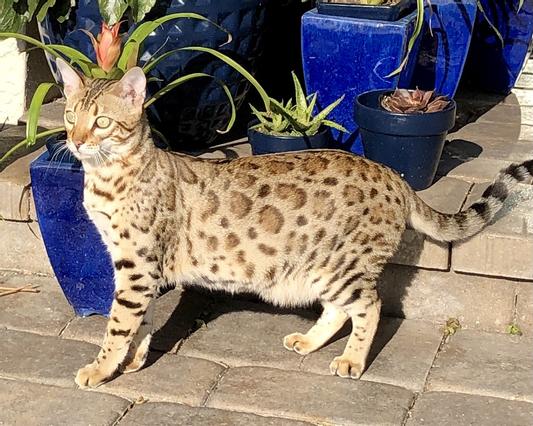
(453, 227)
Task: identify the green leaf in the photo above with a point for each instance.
(311, 105)
(24, 142)
(301, 101)
(128, 56)
(140, 8)
(10, 20)
(334, 125)
(325, 112)
(236, 66)
(34, 111)
(112, 10)
(175, 83)
(491, 25)
(44, 9)
(418, 29)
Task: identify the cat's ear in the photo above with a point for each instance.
(72, 81)
(132, 86)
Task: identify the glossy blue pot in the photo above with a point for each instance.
(191, 114)
(490, 66)
(77, 254)
(411, 144)
(348, 56)
(444, 45)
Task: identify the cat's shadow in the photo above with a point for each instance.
(175, 330)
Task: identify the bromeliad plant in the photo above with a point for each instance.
(114, 58)
(295, 117)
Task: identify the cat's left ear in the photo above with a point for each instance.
(132, 86)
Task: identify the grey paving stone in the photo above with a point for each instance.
(487, 364)
(502, 113)
(401, 355)
(168, 378)
(46, 312)
(526, 80)
(175, 315)
(458, 149)
(23, 403)
(164, 414)
(22, 248)
(524, 308)
(43, 359)
(250, 334)
(476, 170)
(444, 408)
(310, 397)
(484, 303)
(522, 96)
(512, 230)
(478, 133)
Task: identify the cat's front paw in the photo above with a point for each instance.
(344, 367)
(91, 376)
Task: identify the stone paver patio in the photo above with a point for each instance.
(217, 360)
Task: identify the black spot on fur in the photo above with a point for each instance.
(481, 209)
(139, 288)
(124, 263)
(497, 190)
(116, 332)
(128, 303)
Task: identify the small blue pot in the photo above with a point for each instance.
(490, 66)
(411, 144)
(78, 256)
(444, 45)
(270, 144)
(349, 56)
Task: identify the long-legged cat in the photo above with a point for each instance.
(293, 228)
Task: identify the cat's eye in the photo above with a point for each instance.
(70, 116)
(103, 122)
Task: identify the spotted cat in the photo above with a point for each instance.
(293, 228)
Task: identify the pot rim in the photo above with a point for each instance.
(322, 131)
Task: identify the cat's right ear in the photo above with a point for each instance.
(72, 81)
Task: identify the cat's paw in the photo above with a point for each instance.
(344, 367)
(298, 343)
(136, 363)
(91, 376)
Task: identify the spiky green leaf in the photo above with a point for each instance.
(34, 111)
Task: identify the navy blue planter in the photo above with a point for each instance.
(269, 144)
(490, 66)
(411, 144)
(191, 114)
(77, 254)
(349, 56)
(443, 53)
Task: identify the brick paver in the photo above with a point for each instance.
(456, 409)
(164, 414)
(26, 404)
(485, 364)
(310, 397)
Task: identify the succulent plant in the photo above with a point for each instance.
(414, 101)
(295, 118)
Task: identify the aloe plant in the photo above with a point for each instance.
(295, 117)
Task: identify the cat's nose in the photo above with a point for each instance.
(78, 143)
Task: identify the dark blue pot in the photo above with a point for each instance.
(191, 114)
(411, 144)
(444, 49)
(349, 56)
(269, 144)
(77, 254)
(491, 66)
(364, 11)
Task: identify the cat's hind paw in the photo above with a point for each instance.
(298, 343)
(91, 376)
(344, 367)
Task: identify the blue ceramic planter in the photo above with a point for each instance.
(270, 144)
(349, 56)
(77, 254)
(192, 113)
(444, 50)
(491, 66)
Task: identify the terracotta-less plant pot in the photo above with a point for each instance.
(411, 144)
(269, 144)
(366, 11)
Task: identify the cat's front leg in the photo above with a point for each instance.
(134, 293)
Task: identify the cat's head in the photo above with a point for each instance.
(101, 115)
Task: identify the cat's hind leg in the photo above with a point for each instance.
(331, 321)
